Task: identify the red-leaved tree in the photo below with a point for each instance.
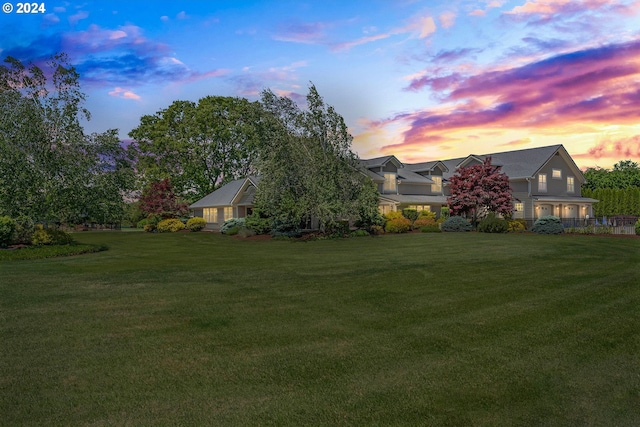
(479, 189)
(159, 198)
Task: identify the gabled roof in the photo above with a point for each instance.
(229, 194)
(519, 164)
(428, 166)
(381, 161)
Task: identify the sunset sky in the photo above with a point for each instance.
(423, 80)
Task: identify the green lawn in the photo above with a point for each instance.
(421, 329)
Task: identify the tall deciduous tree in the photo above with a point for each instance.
(625, 174)
(479, 189)
(49, 169)
(307, 167)
(199, 146)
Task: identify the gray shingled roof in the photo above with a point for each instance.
(516, 164)
(225, 195)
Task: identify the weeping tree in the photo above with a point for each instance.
(50, 171)
(308, 170)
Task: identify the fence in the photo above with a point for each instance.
(618, 224)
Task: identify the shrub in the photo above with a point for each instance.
(548, 225)
(171, 225)
(50, 236)
(142, 223)
(517, 225)
(376, 230)
(430, 229)
(397, 225)
(232, 223)
(393, 215)
(150, 228)
(285, 228)
(154, 219)
(246, 232)
(427, 215)
(424, 222)
(359, 233)
(196, 223)
(410, 214)
(444, 212)
(456, 223)
(338, 228)
(7, 229)
(491, 224)
(638, 227)
(258, 222)
(232, 231)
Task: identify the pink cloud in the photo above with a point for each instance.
(580, 89)
(447, 19)
(119, 92)
(623, 148)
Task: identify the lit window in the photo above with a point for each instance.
(437, 186)
(384, 209)
(420, 208)
(390, 184)
(556, 174)
(571, 186)
(209, 214)
(542, 182)
(518, 210)
(228, 213)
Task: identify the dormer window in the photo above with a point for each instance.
(390, 183)
(436, 187)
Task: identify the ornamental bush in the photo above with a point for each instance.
(427, 215)
(142, 223)
(638, 227)
(393, 215)
(430, 229)
(410, 214)
(7, 229)
(170, 225)
(359, 233)
(455, 224)
(259, 223)
(397, 225)
(548, 225)
(517, 225)
(50, 236)
(424, 222)
(196, 223)
(232, 223)
(491, 224)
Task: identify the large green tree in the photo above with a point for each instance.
(625, 174)
(50, 171)
(199, 146)
(307, 167)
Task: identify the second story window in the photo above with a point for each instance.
(390, 183)
(571, 185)
(542, 182)
(556, 174)
(437, 186)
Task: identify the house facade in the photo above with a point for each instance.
(544, 181)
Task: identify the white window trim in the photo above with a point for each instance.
(558, 175)
(571, 188)
(542, 182)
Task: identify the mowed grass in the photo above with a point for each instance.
(421, 329)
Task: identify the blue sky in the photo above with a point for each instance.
(423, 80)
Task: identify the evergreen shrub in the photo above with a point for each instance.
(359, 233)
(170, 225)
(549, 224)
(410, 214)
(258, 222)
(7, 230)
(455, 224)
(491, 224)
(196, 223)
(427, 215)
(638, 227)
(285, 228)
(50, 236)
(232, 223)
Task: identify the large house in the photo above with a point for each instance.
(544, 181)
